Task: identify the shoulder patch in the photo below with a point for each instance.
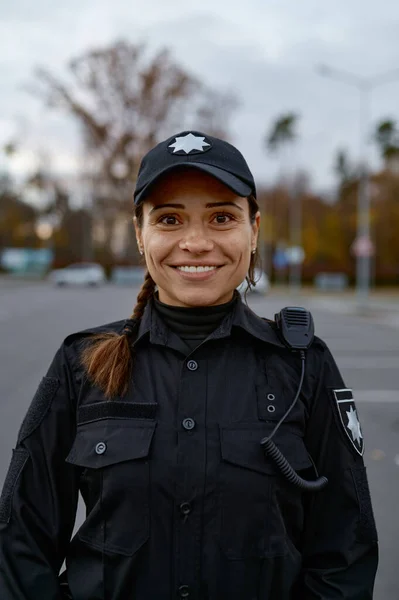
(347, 412)
(19, 458)
(39, 406)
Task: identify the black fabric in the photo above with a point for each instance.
(117, 410)
(217, 157)
(19, 458)
(241, 318)
(187, 503)
(39, 406)
(367, 531)
(193, 325)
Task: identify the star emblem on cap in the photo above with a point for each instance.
(189, 142)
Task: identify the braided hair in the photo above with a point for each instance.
(108, 358)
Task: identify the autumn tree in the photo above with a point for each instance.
(125, 101)
(17, 219)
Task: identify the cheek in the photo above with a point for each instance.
(157, 246)
(239, 246)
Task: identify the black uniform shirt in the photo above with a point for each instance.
(181, 501)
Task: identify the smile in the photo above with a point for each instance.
(200, 269)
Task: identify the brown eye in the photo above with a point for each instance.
(168, 220)
(223, 218)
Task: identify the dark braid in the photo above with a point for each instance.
(108, 357)
(147, 290)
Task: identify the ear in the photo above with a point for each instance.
(255, 230)
(139, 236)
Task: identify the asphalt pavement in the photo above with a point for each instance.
(35, 317)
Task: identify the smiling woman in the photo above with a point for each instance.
(197, 236)
(159, 422)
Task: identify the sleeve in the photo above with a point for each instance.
(39, 498)
(340, 548)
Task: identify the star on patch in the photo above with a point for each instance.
(354, 425)
(349, 418)
(189, 143)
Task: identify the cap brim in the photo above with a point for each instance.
(235, 184)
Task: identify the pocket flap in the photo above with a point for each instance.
(107, 442)
(240, 445)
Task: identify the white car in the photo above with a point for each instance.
(79, 274)
(262, 283)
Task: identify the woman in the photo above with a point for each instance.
(158, 421)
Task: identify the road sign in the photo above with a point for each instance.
(362, 247)
(280, 259)
(295, 255)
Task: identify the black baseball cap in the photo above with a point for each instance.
(199, 151)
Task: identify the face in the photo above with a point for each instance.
(197, 238)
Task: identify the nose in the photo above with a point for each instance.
(197, 241)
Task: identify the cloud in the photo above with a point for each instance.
(265, 52)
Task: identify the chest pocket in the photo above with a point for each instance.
(255, 497)
(113, 455)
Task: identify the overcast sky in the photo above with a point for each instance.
(265, 51)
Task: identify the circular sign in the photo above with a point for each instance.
(295, 255)
(363, 246)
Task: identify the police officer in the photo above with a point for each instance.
(201, 477)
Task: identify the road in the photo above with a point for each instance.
(34, 319)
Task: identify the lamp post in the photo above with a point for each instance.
(363, 247)
(45, 231)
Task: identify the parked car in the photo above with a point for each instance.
(125, 275)
(79, 274)
(262, 283)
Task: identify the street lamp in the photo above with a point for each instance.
(363, 248)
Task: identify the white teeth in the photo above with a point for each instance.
(196, 269)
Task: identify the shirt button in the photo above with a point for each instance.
(184, 591)
(101, 448)
(188, 424)
(185, 508)
(192, 365)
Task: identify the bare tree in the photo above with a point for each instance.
(125, 101)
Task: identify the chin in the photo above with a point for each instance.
(197, 297)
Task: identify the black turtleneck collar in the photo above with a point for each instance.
(193, 325)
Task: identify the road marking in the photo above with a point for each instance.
(380, 314)
(368, 362)
(377, 396)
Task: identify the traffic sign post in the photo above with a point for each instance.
(295, 255)
(280, 259)
(363, 247)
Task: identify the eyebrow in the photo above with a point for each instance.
(210, 205)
